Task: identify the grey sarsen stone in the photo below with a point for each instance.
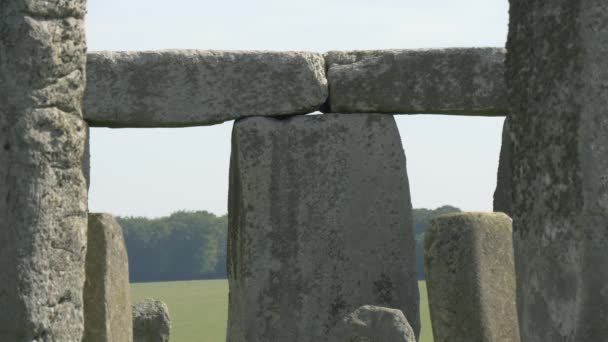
(151, 322)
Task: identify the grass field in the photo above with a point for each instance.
(199, 309)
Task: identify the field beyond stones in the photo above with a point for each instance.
(199, 309)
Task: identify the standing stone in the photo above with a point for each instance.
(151, 322)
(503, 192)
(557, 74)
(320, 223)
(374, 323)
(43, 195)
(470, 278)
(107, 294)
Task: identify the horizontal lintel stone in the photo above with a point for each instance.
(465, 81)
(177, 88)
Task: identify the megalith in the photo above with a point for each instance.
(470, 277)
(43, 195)
(107, 293)
(503, 193)
(374, 323)
(151, 322)
(557, 73)
(319, 224)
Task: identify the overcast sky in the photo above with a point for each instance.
(152, 172)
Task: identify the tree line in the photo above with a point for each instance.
(189, 245)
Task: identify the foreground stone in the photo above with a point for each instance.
(43, 197)
(190, 88)
(107, 296)
(449, 81)
(319, 224)
(374, 323)
(557, 74)
(503, 194)
(470, 278)
(151, 322)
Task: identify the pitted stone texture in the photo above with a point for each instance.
(449, 81)
(190, 88)
(319, 224)
(43, 194)
(471, 278)
(558, 75)
(503, 193)
(151, 322)
(374, 323)
(107, 296)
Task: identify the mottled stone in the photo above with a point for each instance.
(557, 74)
(374, 324)
(319, 224)
(43, 197)
(107, 296)
(151, 322)
(503, 192)
(448, 81)
(470, 278)
(190, 88)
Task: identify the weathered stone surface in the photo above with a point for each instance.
(449, 81)
(43, 206)
(189, 87)
(151, 322)
(557, 76)
(470, 278)
(107, 296)
(374, 323)
(503, 193)
(319, 224)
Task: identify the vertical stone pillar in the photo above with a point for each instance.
(43, 198)
(503, 192)
(319, 224)
(557, 74)
(107, 293)
(470, 277)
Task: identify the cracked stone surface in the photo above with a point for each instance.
(176, 88)
(468, 81)
(107, 292)
(470, 277)
(557, 74)
(319, 224)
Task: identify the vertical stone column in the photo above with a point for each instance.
(557, 73)
(503, 193)
(319, 224)
(107, 293)
(470, 278)
(43, 198)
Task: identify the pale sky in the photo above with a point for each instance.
(152, 172)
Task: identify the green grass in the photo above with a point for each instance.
(199, 309)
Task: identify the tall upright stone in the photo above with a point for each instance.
(503, 193)
(557, 74)
(43, 195)
(470, 276)
(319, 224)
(107, 293)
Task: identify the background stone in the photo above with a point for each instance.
(107, 293)
(470, 278)
(193, 88)
(504, 192)
(151, 322)
(374, 323)
(319, 224)
(450, 81)
(43, 206)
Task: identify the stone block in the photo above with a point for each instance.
(557, 74)
(320, 223)
(193, 88)
(374, 323)
(470, 278)
(107, 293)
(151, 322)
(43, 206)
(503, 193)
(435, 81)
